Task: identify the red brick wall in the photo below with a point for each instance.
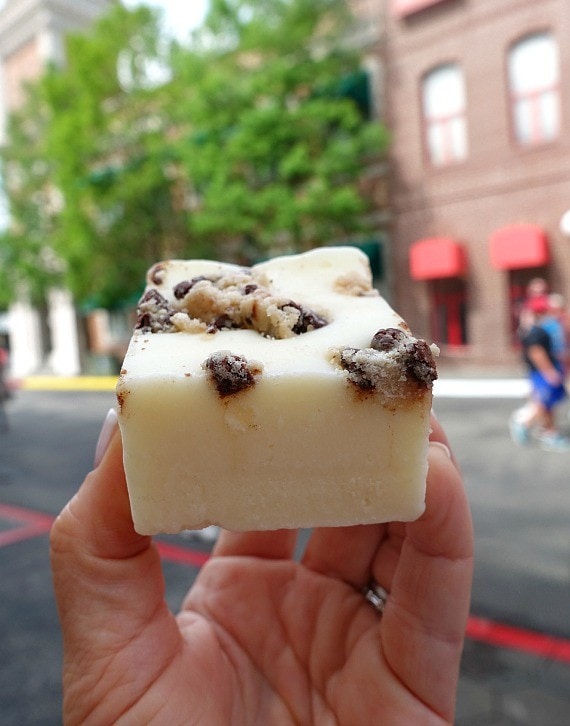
(20, 67)
(499, 182)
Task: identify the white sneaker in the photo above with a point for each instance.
(554, 442)
(520, 433)
(208, 534)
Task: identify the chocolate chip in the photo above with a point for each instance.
(157, 273)
(184, 287)
(223, 322)
(307, 320)
(421, 364)
(371, 368)
(358, 371)
(230, 373)
(248, 289)
(153, 295)
(144, 322)
(417, 358)
(387, 338)
(153, 313)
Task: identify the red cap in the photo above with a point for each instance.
(538, 305)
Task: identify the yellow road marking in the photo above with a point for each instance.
(68, 383)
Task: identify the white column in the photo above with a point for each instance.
(25, 339)
(64, 355)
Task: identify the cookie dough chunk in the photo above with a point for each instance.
(284, 395)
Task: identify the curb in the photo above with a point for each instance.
(481, 388)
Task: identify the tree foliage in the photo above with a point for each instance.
(235, 145)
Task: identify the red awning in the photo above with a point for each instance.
(517, 246)
(402, 8)
(436, 258)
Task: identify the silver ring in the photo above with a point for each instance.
(376, 595)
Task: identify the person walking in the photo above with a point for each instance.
(555, 323)
(537, 292)
(546, 377)
(4, 389)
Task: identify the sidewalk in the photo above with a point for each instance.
(472, 384)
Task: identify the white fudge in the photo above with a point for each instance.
(284, 395)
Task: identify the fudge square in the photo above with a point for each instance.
(288, 394)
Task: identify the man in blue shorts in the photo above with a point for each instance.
(547, 386)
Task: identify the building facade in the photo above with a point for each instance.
(32, 33)
(478, 102)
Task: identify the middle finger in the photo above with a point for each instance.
(345, 553)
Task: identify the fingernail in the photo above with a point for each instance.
(107, 431)
(441, 446)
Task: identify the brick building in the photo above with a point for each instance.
(32, 33)
(478, 101)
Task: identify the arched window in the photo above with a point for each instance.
(534, 85)
(443, 99)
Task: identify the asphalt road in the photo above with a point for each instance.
(520, 501)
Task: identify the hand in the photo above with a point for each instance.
(539, 357)
(262, 639)
(554, 377)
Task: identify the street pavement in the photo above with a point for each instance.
(516, 664)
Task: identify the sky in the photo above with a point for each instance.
(180, 16)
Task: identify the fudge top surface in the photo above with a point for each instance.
(311, 313)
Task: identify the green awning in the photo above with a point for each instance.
(374, 249)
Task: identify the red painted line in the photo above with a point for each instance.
(182, 555)
(34, 524)
(38, 523)
(38, 519)
(487, 631)
(507, 636)
(19, 534)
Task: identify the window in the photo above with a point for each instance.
(443, 98)
(534, 89)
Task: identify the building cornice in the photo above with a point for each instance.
(22, 20)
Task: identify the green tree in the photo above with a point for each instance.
(25, 255)
(273, 151)
(235, 146)
(85, 167)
